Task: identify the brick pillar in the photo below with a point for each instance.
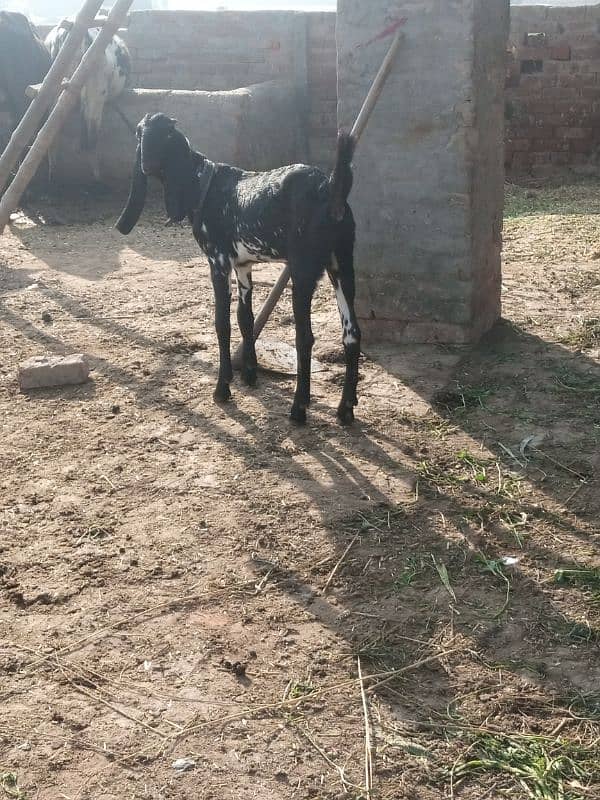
(428, 190)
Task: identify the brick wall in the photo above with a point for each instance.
(219, 51)
(215, 51)
(553, 88)
(226, 50)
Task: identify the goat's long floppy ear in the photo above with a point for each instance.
(177, 177)
(137, 197)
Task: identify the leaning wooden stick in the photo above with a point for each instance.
(357, 131)
(48, 90)
(66, 101)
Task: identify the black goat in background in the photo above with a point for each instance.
(296, 214)
(24, 60)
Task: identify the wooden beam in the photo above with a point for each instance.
(98, 22)
(61, 66)
(60, 112)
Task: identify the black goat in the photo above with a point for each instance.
(295, 214)
(23, 61)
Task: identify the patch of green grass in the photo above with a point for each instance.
(585, 336)
(545, 769)
(583, 632)
(478, 466)
(584, 578)
(496, 567)
(579, 198)
(517, 522)
(10, 786)
(413, 568)
(465, 468)
(437, 475)
(461, 398)
(585, 705)
(442, 571)
(300, 689)
(520, 664)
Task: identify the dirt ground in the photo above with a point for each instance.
(190, 593)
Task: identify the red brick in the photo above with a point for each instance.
(532, 53)
(576, 81)
(574, 133)
(586, 53)
(518, 145)
(591, 92)
(581, 146)
(521, 162)
(549, 145)
(560, 52)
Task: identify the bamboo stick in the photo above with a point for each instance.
(357, 131)
(49, 89)
(60, 112)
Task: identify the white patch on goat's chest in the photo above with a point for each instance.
(253, 252)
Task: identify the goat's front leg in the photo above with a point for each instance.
(245, 318)
(222, 289)
(302, 294)
(342, 277)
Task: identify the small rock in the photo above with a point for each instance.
(236, 667)
(115, 409)
(183, 764)
(46, 317)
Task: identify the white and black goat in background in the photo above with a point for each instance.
(107, 81)
(296, 214)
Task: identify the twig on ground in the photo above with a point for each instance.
(368, 737)
(339, 563)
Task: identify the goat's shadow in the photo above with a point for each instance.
(338, 473)
(94, 254)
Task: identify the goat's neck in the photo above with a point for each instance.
(202, 173)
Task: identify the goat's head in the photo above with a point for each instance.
(162, 152)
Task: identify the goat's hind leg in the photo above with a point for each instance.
(303, 287)
(245, 317)
(220, 276)
(341, 274)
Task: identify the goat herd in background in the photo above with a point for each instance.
(296, 214)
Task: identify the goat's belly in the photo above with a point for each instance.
(257, 251)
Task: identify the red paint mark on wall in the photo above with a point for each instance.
(389, 31)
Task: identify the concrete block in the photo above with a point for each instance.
(428, 188)
(42, 372)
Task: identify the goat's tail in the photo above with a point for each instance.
(340, 182)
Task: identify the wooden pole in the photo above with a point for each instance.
(357, 131)
(48, 91)
(376, 88)
(60, 112)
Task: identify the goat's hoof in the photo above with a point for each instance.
(222, 394)
(345, 414)
(249, 376)
(298, 415)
